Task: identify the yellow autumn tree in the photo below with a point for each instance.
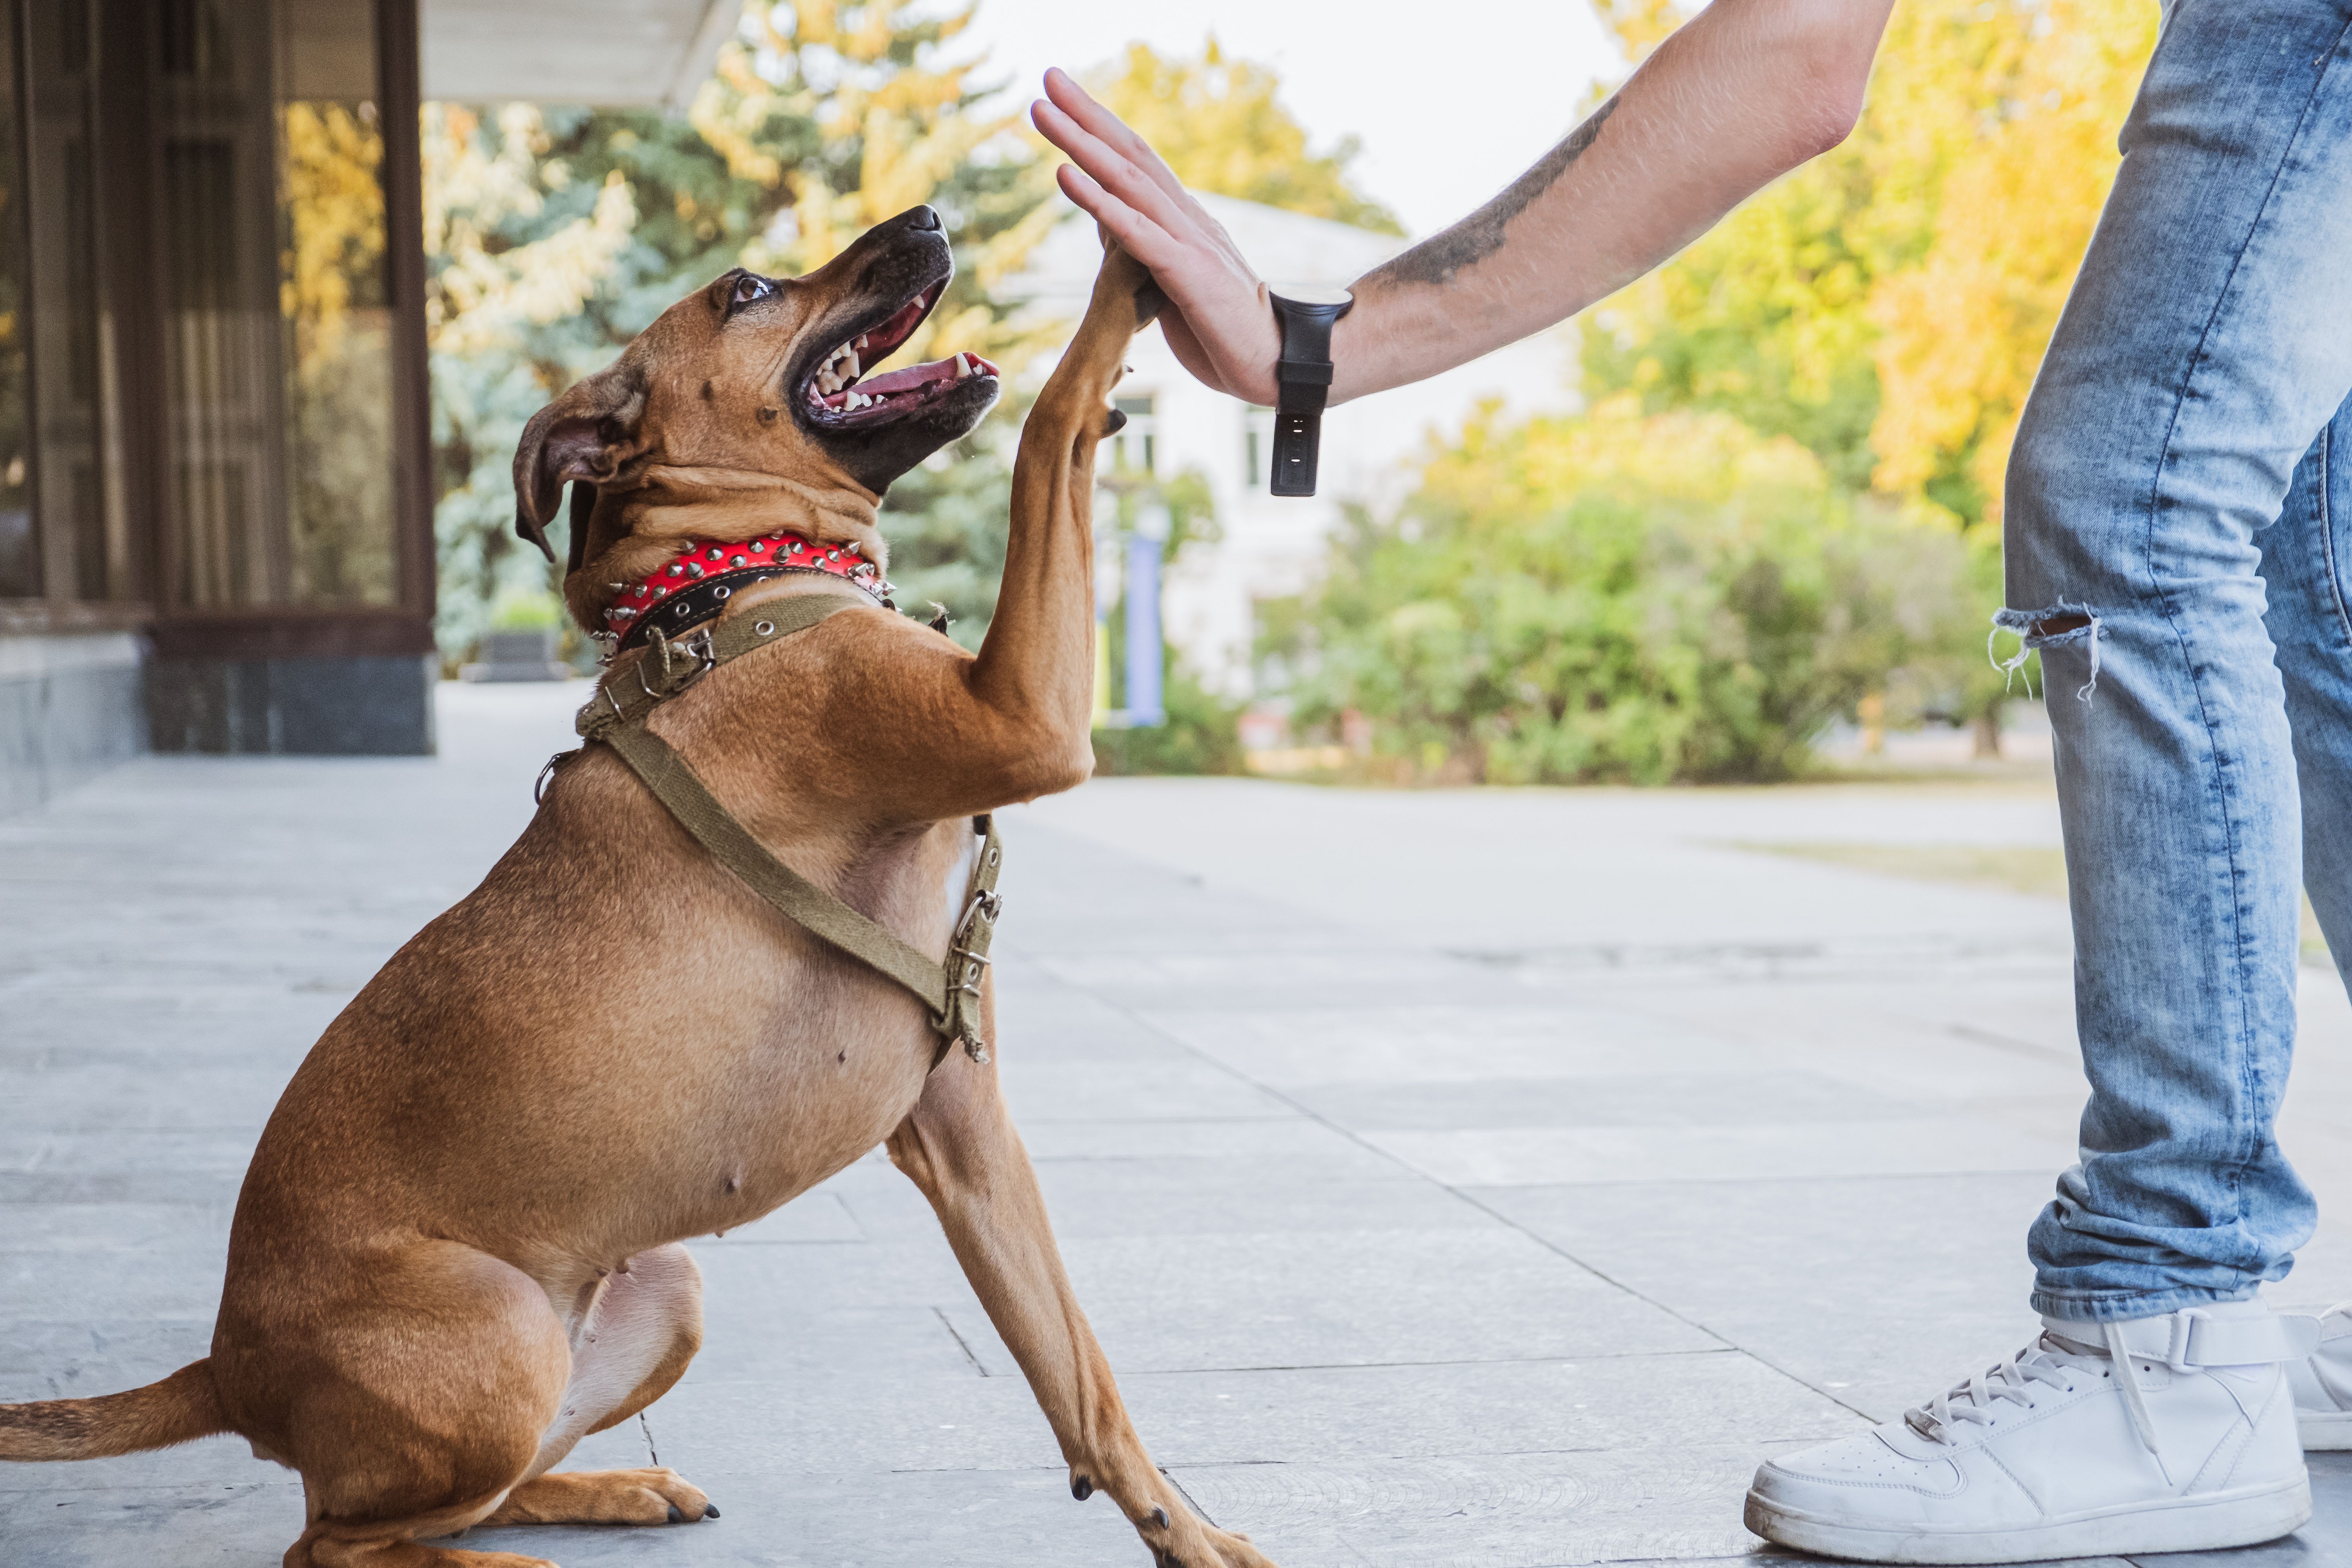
(487, 290)
(1962, 332)
(1222, 128)
(894, 126)
(1886, 303)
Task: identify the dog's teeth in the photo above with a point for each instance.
(860, 344)
(853, 372)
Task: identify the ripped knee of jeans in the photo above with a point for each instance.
(2055, 627)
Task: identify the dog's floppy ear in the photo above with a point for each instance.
(586, 434)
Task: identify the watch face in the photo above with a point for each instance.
(1310, 293)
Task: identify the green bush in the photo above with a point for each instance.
(1617, 596)
(1201, 734)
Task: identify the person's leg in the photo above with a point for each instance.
(2307, 562)
(2207, 341)
(2206, 345)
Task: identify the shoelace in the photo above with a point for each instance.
(2049, 1360)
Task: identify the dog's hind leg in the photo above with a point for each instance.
(960, 1149)
(633, 1341)
(412, 1391)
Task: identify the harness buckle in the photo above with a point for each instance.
(973, 964)
(696, 647)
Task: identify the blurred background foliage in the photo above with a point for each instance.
(1783, 499)
(1635, 596)
(1220, 129)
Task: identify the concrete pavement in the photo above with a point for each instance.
(1477, 1178)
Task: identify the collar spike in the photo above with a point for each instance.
(703, 595)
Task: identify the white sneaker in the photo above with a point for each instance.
(2170, 1434)
(2322, 1384)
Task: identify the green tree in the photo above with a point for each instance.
(555, 235)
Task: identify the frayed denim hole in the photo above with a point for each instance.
(2061, 623)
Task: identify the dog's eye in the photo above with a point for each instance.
(749, 288)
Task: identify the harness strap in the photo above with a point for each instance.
(616, 716)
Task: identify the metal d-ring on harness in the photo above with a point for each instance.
(617, 717)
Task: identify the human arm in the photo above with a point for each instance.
(1737, 97)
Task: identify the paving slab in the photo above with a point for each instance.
(1500, 1198)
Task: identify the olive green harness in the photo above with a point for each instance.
(626, 697)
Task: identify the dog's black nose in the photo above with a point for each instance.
(923, 218)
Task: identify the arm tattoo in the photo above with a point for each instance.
(1436, 260)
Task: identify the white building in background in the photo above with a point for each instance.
(1373, 448)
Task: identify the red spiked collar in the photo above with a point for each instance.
(695, 584)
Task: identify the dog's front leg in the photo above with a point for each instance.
(1016, 720)
(960, 1149)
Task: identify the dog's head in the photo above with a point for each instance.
(745, 404)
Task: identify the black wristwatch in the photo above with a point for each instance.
(1304, 374)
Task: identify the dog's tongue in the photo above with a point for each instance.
(906, 380)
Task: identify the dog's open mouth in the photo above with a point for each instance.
(839, 394)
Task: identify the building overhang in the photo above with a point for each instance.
(612, 53)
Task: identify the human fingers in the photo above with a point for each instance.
(1081, 107)
(1141, 239)
(1216, 321)
(1114, 171)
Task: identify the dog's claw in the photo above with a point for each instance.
(677, 1515)
(1081, 1488)
(710, 1510)
(1160, 1517)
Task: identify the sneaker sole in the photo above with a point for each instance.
(2324, 1430)
(2200, 1524)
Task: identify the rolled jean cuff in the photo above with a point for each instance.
(2123, 1305)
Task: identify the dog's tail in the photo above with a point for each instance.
(184, 1406)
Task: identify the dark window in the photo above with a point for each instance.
(76, 520)
(278, 339)
(20, 562)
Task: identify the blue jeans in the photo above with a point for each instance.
(2179, 548)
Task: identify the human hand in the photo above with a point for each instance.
(1218, 321)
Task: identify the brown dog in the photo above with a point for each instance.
(457, 1250)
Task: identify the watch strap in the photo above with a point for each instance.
(1303, 377)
